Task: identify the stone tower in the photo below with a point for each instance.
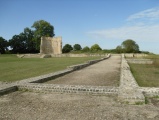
(51, 45)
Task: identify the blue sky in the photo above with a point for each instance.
(86, 22)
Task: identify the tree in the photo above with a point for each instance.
(23, 43)
(67, 48)
(130, 46)
(86, 49)
(3, 45)
(29, 39)
(77, 47)
(42, 28)
(119, 49)
(95, 48)
(18, 43)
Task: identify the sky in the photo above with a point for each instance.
(87, 22)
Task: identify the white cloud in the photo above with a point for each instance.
(150, 14)
(140, 31)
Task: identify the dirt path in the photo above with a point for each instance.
(104, 73)
(40, 106)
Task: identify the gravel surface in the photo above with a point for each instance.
(104, 73)
(40, 106)
(3, 84)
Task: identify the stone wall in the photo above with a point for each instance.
(59, 55)
(134, 55)
(90, 62)
(150, 91)
(51, 45)
(129, 90)
(79, 55)
(69, 88)
(7, 88)
(140, 61)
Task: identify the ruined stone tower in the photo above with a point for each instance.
(51, 45)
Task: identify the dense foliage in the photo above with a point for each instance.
(128, 46)
(95, 48)
(23, 43)
(67, 48)
(77, 47)
(42, 28)
(86, 49)
(3, 45)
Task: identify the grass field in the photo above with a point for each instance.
(147, 75)
(14, 69)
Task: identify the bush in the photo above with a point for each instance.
(67, 48)
(77, 47)
(86, 49)
(95, 48)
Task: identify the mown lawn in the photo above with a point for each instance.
(147, 75)
(14, 69)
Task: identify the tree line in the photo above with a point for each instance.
(77, 47)
(28, 41)
(127, 46)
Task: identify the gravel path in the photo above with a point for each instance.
(40, 106)
(104, 73)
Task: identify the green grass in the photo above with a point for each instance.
(14, 69)
(147, 75)
(139, 103)
(147, 100)
(156, 97)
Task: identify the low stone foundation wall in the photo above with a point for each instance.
(150, 91)
(69, 88)
(79, 55)
(140, 61)
(29, 55)
(130, 55)
(134, 55)
(58, 55)
(128, 90)
(80, 66)
(8, 89)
